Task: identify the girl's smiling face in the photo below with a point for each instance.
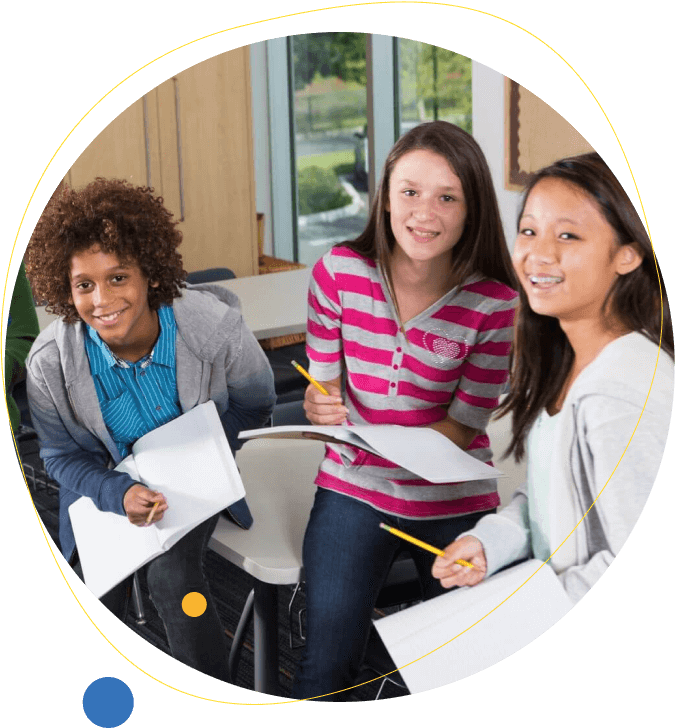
(112, 297)
(426, 206)
(566, 254)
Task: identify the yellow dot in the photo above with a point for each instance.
(194, 604)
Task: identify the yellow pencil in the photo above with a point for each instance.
(151, 515)
(310, 378)
(421, 544)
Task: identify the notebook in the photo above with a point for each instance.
(190, 462)
(420, 450)
(459, 634)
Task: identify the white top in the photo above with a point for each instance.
(550, 500)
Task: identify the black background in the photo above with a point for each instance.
(64, 63)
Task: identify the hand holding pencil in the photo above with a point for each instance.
(450, 559)
(323, 401)
(450, 573)
(144, 506)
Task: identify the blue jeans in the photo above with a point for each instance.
(347, 557)
(195, 641)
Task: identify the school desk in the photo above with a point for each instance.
(272, 305)
(279, 479)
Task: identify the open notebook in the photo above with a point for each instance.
(188, 460)
(420, 450)
(419, 632)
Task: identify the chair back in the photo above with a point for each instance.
(210, 275)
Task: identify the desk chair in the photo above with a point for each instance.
(289, 384)
(210, 275)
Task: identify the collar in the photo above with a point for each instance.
(163, 352)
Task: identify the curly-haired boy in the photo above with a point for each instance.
(134, 347)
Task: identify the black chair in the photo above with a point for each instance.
(210, 275)
(289, 384)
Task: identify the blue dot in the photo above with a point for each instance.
(108, 702)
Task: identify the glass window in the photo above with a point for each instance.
(434, 84)
(329, 109)
(320, 87)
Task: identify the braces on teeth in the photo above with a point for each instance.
(545, 279)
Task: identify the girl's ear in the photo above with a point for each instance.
(628, 258)
(154, 284)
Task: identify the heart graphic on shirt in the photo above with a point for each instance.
(442, 348)
(446, 349)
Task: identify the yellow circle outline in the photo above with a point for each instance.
(258, 22)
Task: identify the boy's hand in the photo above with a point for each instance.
(138, 503)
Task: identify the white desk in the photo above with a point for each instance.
(274, 304)
(279, 479)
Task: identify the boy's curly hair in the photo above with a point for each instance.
(127, 221)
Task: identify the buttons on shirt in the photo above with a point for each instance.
(396, 362)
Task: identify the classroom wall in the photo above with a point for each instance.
(489, 131)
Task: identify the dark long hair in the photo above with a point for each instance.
(542, 355)
(482, 246)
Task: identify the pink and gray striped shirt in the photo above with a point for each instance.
(452, 360)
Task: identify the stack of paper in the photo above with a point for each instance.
(458, 634)
(190, 462)
(420, 450)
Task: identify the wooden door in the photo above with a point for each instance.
(191, 140)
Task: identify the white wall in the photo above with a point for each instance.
(261, 138)
(488, 130)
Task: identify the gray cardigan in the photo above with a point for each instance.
(217, 358)
(599, 417)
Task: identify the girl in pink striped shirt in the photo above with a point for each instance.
(414, 319)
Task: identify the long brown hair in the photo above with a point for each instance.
(542, 355)
(482, 247)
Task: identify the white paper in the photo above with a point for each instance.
(190, 462)
(109, 546)
(422, 631)
(420, 450)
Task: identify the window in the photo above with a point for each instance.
(433, 83)
(336, 103)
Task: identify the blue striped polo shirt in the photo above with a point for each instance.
(136, 397)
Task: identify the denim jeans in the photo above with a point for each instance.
(347, 557)
(195, 641)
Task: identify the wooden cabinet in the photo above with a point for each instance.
(191, 140)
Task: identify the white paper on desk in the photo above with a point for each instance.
(190, 462)
(415, 632)
(420, 450)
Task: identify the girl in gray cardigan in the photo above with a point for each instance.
(592, 382)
